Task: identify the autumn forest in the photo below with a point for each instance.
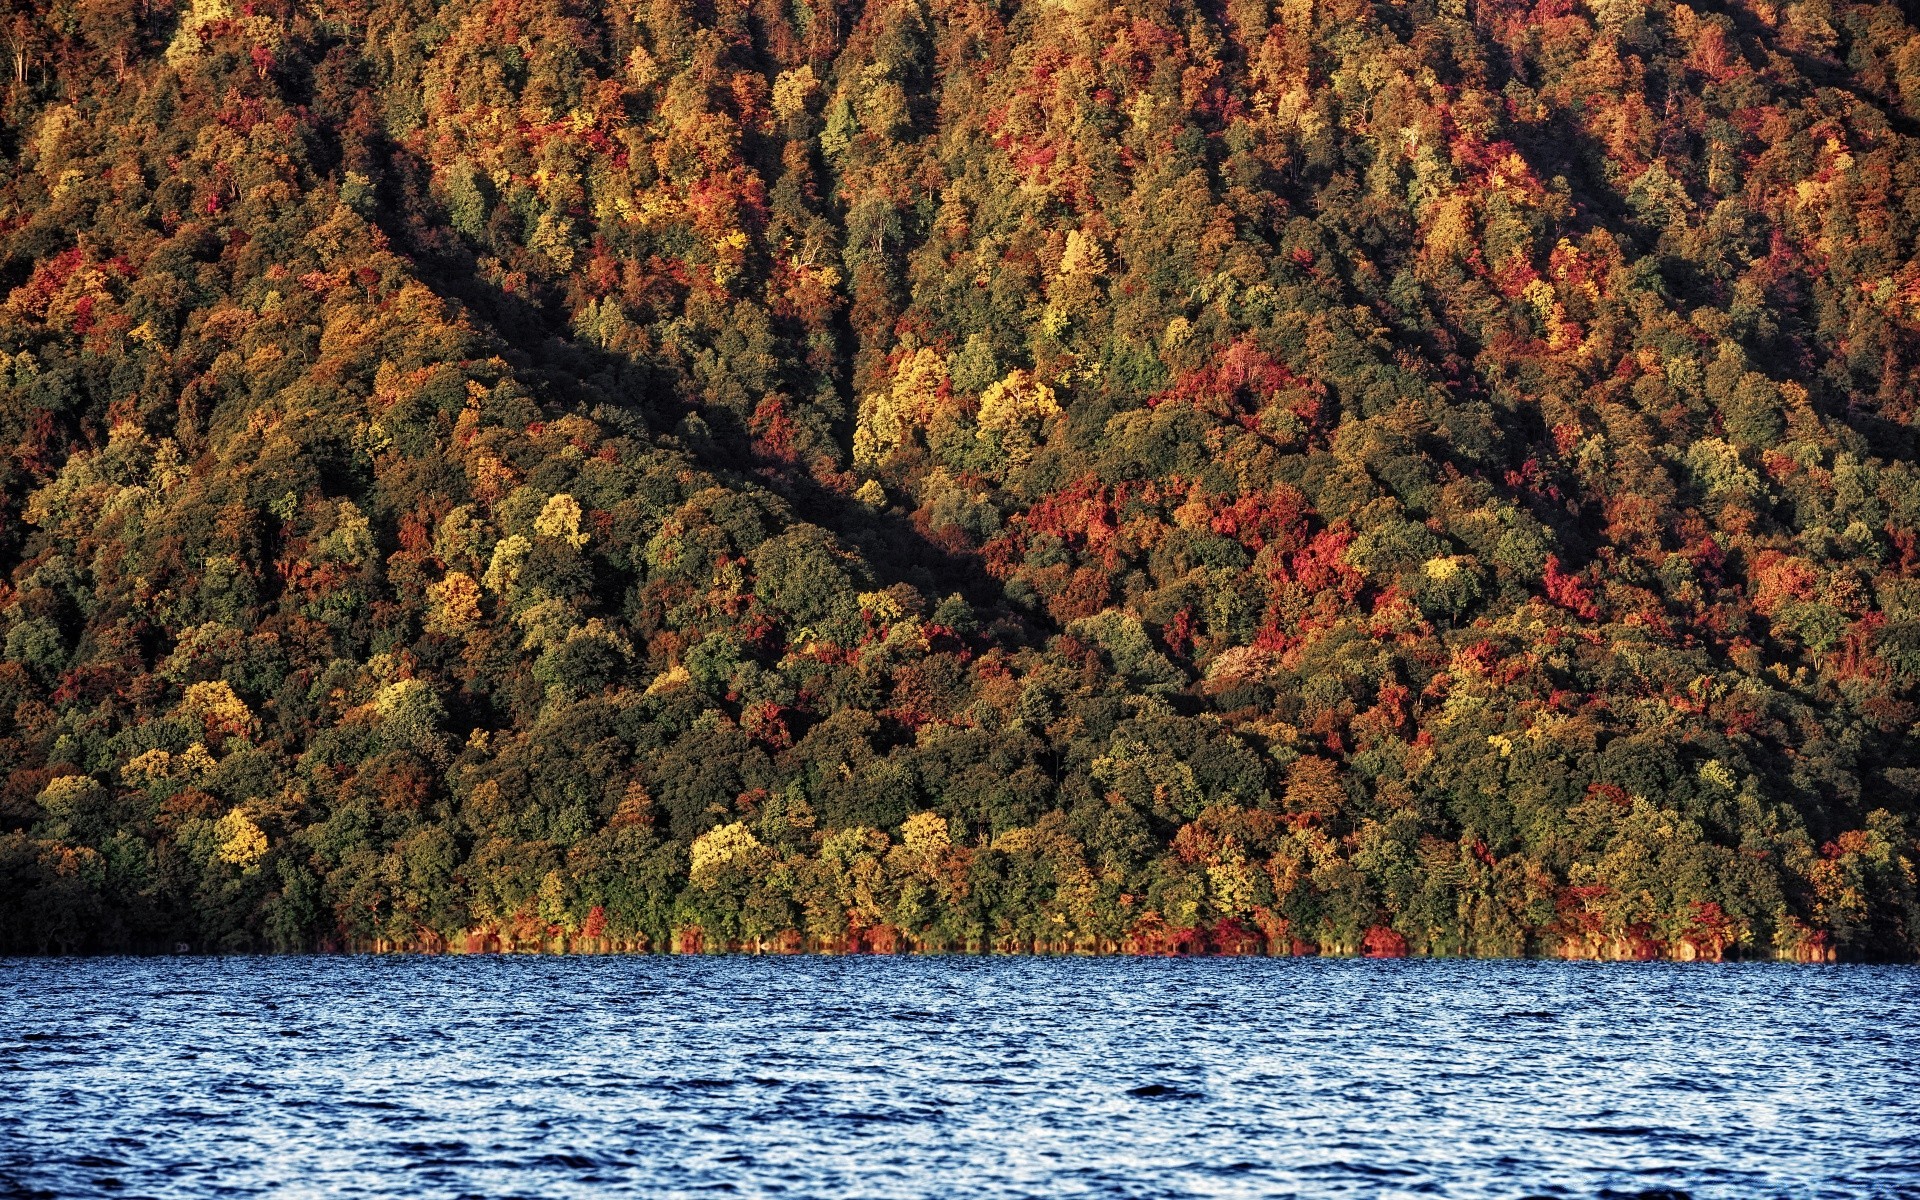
(1426, 477)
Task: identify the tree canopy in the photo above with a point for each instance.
(1428, 476)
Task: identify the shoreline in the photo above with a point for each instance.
(480, 944)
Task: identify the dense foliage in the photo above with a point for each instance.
(1432, 476)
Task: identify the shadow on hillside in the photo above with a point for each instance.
(545, 348)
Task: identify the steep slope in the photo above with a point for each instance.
(1401, 477)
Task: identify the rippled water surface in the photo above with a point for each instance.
(968, 1077)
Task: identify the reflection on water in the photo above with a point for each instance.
(985, 1077)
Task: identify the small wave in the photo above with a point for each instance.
(1162, 1091)
(571, 1162)
(430, 1147)
(1370, 1170)
(878, 1118)
(1694, 1083)
(1649, 1132)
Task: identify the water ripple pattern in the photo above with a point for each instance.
(874, 1077)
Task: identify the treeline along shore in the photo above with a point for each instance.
(1427, 477)
(1227, 939)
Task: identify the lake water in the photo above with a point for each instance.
(961, 1077)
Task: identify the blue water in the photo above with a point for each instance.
(955, 1077)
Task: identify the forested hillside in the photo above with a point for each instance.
(1433, 476)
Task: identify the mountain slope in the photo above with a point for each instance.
(1398, 477)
